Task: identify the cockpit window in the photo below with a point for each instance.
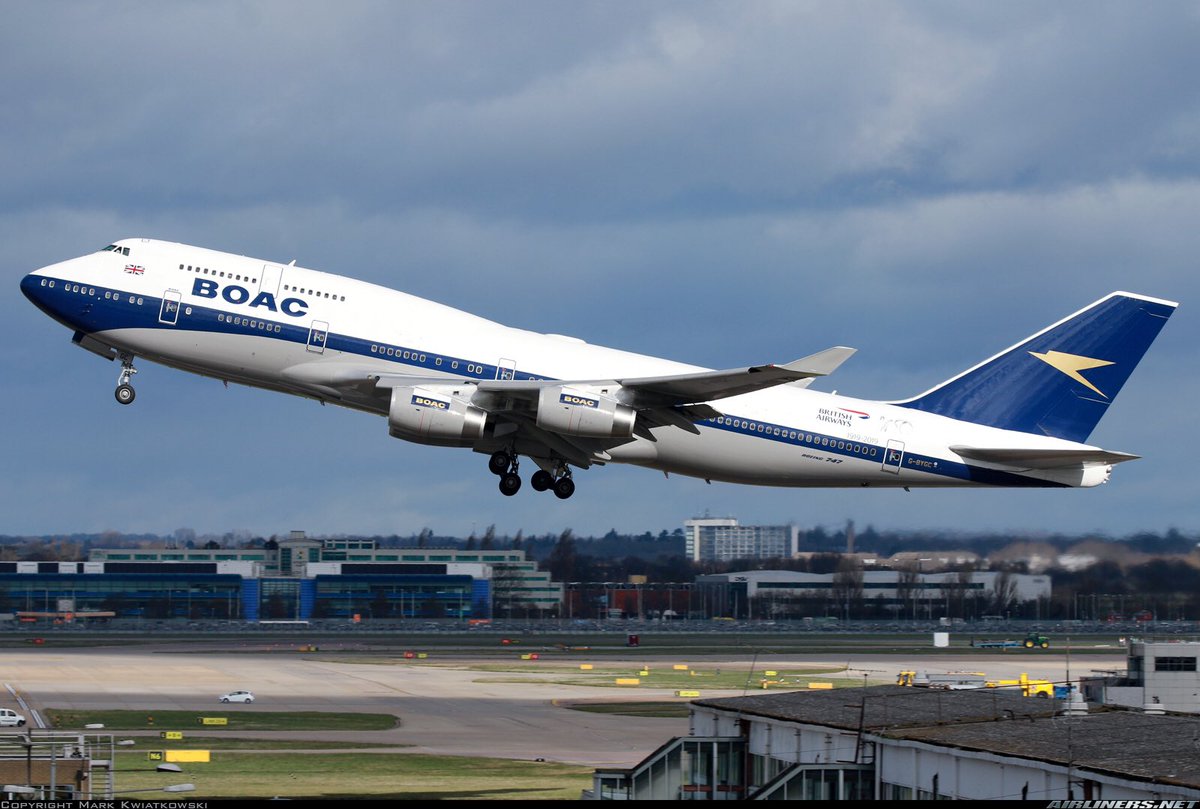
(115, 248)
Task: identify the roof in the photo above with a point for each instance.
(1125, 743)
(887, 706)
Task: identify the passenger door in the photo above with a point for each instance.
(317, 335)
(169, 311)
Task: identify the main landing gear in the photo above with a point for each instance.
(125, 393)
(504, 464)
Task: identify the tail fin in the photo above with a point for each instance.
(1060, 381)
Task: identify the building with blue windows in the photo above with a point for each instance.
(296, 579)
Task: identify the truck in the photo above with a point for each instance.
(965, 680)
(1031, 641)
(1029, 688)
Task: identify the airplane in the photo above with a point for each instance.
(444, 377)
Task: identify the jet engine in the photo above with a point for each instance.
(576, 412)
(429, 416)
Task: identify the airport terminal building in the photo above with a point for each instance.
(776, 593)
(896, 743)
(294, 579)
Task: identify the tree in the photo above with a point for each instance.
(1004, 593)
(907, 580)
(848, 585)
(956, 590)
(564, 558)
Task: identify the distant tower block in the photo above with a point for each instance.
(849, 536)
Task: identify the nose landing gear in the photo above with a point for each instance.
(125, 393)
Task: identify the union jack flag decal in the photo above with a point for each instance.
(134, 269)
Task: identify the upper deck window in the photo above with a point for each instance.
(115, 248)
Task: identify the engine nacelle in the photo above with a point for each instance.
(430, 416)
(576, 412)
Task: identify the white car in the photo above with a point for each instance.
(10, 718)
(238, 696)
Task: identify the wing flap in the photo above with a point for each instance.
(1019, 458)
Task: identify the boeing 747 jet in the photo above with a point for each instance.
(445, 377)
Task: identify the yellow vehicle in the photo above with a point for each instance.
(1029, 688)
(968, 680)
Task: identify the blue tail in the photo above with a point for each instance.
(1060, 381)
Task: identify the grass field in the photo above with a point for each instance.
(394, 776)
(238, 719)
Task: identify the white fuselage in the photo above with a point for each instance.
(291, 329)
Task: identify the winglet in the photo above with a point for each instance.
(822, 363)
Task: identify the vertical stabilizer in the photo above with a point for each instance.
(1060, 381)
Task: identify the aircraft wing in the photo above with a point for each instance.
(1041, 458)
(677, 400)
(686, 389)
(638, 392)
(711, 385)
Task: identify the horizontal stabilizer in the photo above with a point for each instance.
(1042, 458)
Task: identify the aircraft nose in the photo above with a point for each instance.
(40, 290)
(31, 285)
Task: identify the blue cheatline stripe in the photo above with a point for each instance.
(857, 450)
(100, 314)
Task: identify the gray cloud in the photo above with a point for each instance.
(713, 182)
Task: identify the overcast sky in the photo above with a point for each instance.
(722, 183)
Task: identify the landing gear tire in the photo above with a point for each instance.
(541, 480)
(499, 462)
(563, 488)
(510, 484)
(125, 394)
